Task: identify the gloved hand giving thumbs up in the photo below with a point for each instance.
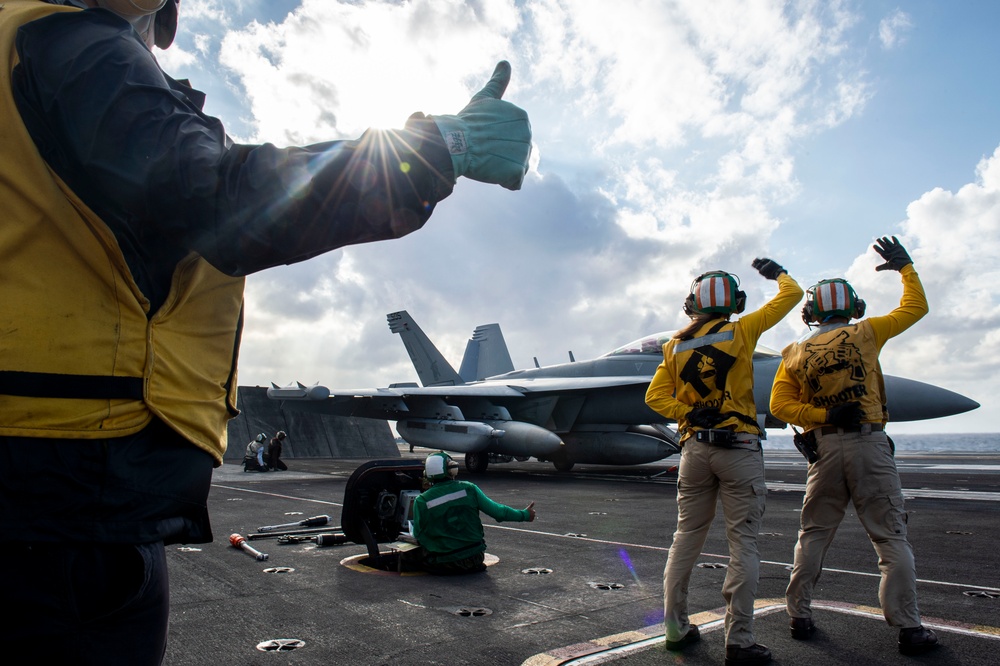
(489, 140)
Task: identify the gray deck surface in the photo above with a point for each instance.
(583, 578)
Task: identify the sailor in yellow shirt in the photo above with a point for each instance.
(705, 383)
(831, 385)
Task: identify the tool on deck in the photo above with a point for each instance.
(281, 533)
(315, 521)
(321, 540)
(237, 541)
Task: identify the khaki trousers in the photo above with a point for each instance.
(737, 476)
(861, 469)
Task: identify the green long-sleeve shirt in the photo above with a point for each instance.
(446, 519)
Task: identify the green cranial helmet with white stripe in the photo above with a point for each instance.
(439, 466)
(831, 298)
(715, 292)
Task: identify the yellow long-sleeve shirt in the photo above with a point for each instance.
(804, 386)
(689, 377)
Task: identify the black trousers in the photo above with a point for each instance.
(90, 604)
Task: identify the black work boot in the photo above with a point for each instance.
(802, 628)
(755, 655)
(693, 635)
(917, 640)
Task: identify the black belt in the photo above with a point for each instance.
(834, 430)
(52, 385)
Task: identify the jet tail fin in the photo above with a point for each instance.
(432, 368)
(486, 354)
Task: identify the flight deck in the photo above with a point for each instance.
(580, 585)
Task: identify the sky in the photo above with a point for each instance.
(669, 138)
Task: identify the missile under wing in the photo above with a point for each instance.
(584, 411)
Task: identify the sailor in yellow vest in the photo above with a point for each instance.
(705, 383)
(831, 385)
(130, 221)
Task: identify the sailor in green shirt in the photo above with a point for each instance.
(446, 519)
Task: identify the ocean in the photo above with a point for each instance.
(980, 442)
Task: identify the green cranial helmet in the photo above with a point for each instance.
(439, 466)
(715, 292)
(831, 298)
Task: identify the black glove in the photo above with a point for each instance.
(894, 254)
(769, 269)
(846, 415)
(705, 417)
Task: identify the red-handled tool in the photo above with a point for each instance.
(237, 541)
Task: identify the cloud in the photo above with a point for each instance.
(954, 240)
(665, 135)
(893, 29)
(333, 69)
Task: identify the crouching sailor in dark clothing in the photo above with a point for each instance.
(274, 460)
(446, 519)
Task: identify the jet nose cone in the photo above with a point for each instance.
(910, 400)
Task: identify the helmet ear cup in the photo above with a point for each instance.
(689, 306)
(807, 313)
(859, 308)
(165, 25)
(741, 301)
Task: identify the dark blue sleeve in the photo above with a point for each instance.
(136, 147)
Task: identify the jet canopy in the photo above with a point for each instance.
(653, 345)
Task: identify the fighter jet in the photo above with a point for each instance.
(578, 412)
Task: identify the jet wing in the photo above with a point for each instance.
(400, 401)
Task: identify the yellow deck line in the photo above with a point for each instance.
(712, 620)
